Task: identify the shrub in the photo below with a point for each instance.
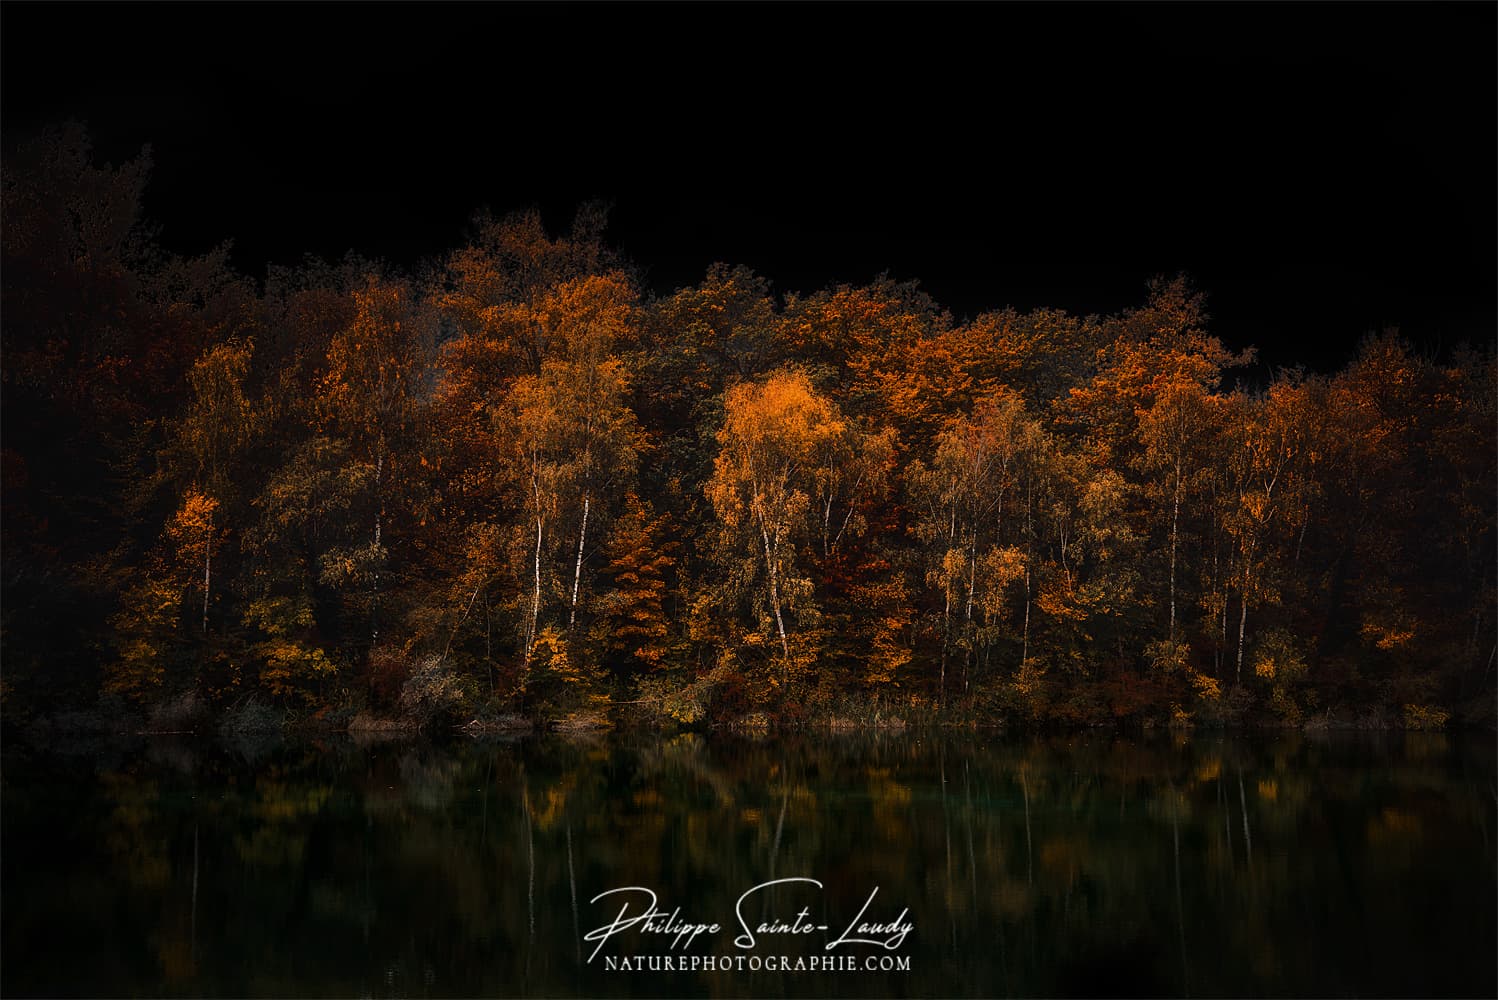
(430, 690)
(178, 714)
(1425, 717)
(252, 716)
(388, 671)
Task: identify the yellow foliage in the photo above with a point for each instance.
(552, 655)
(221, 419)
(1167, 656)
(289, 664)
(1278, 659)
(1388, 636)
(1255, 503)
(1207, 688)
(278, 615)
(1425, 717)
(190, 531)
(1057, 604)
(1028, 684)
(146, 621)
(888, 654)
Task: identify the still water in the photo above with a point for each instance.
(1084, 865)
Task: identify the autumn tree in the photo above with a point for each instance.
(494, 290)
(1042, 353)
(632, 604)
(966, 500)
(1176, 436)
(532, 381)
(773, 437)
(548, 487)
(571, 438)
(303, 523)
(304, 493)
(591, 317)
(695, 343)
(372, 395)
(1265, 442)
(214, 431)
(888, 347)
(101, 328)
(1147, 352)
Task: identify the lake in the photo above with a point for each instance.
(964, 864)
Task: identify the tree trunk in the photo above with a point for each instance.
(488, 651)
(852, 496)
(946, 642)
(1242, 623)
(827, 523)
(1217, 651)
(970, 636)
(785, 646)
(972, 580)
(1222, 623)
(1175, 517)
(530, 638)
(577, 574)
(451, 635)
(1024, 655)
(207, 571)
(374, 604)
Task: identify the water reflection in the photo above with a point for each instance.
(1082, 865)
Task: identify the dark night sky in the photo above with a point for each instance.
(1320, 170)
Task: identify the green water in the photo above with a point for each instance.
(1089, 865)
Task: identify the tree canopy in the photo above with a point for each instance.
(518, 482)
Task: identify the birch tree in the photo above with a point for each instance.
(774, 433)
(372, 396)
(214, 431)
(964, 499)
(1175, 433)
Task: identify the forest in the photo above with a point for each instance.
(514, 486)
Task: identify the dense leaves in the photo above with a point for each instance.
(519, 483)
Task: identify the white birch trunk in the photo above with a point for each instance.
(1175, 517)
(785, 646)
(577, 573)
(530, 638)
(1242, 624)
(207, 571)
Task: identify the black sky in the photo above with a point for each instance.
(1321, 171)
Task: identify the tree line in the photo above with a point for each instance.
(514, 481)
